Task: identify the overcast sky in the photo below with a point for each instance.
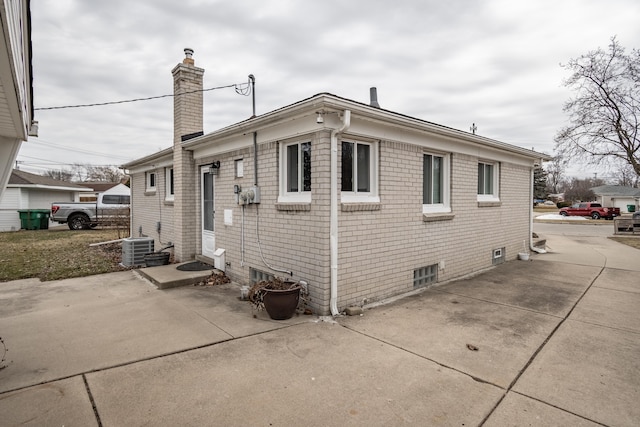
(495, 63)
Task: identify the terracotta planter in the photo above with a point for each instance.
(281, 305)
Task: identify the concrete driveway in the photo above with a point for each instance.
(552, 341)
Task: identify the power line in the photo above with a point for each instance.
(240, 88)
(79, 150)
(51, 163)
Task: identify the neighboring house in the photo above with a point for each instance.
(29, 191)
(118, 194)
(618, 196)
(100, 187)
(361, 202)
(16, 89)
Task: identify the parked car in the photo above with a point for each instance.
(591, 209)
(83, 215)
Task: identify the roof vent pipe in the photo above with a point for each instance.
(373, 95)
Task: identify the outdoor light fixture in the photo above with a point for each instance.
(320, 119)
(214, 168)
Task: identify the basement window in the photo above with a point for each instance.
(256, 276)
(424, 276)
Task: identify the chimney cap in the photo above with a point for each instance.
(188, 56)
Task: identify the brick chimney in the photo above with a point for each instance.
(187, 123)
(187, 101)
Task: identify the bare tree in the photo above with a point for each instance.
(59, 174)
(626, 176)
(579, 190)
(555, 174)
(103, 173)
(604, 114)
(79, 172)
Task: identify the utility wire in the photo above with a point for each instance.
(240, 89)
(54, 145)
(50, 163)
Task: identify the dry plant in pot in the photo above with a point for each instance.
(280, 297)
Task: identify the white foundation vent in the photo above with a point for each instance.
(498, 256)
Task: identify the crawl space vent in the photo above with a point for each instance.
(497, 256)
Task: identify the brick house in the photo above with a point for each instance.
(361, 202)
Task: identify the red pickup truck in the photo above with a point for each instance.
(594, 210)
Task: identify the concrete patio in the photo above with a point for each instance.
(552, 341)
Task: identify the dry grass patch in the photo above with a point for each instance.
(634, 242)
(57, 254)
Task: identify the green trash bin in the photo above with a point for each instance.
(631, 208)
(34, 219)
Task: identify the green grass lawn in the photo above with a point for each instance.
(57, 253)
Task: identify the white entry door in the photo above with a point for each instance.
(207, 182)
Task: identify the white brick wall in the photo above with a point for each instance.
(150, 208)
(378, 250)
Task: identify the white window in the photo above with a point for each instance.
(169, 190)
(488, 184)
(435, 183)
(295, 173)
(359, 172)
(151, 181)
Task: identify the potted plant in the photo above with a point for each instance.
(280, 297)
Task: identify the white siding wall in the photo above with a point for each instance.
(10, 202)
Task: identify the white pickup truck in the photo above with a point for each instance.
(108, 209)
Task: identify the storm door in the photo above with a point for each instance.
(207, 182)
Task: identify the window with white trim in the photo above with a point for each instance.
(359, 172)
(435, 183)
(488, 183)
(169, 188)
(151, 181)
(295, 172)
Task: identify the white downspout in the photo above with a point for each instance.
(333, 228)
(533, 248)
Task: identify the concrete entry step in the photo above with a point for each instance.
(168, 276)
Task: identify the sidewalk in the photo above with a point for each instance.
(553, 341)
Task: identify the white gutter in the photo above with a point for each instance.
(333, 228)
(531, 246)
